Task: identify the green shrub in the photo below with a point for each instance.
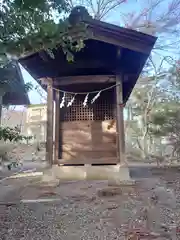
(12, 134)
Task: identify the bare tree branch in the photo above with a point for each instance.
(99, 8)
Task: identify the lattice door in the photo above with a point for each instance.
(85, 135)
(102, 109)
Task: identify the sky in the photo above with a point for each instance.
(114, 17)
(34, 96)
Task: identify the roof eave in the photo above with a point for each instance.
(122, 37)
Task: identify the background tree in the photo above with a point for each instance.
(99, 9)
(165, 121)
(160, 18)
(154, 107)
(28, 26)
(143, 102)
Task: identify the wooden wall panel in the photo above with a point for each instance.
(89, 140)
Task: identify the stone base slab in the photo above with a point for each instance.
(115, 174)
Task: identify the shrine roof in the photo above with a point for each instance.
(98, 57)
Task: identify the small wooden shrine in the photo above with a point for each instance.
(90, 93)
(16, 94)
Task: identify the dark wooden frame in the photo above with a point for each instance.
(119, 119)
(50, 122)
(57, 128)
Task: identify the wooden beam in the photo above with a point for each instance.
(84, 79)
(45, 81)
(120, 119)
(103, 161)
(120, 40)
(121, 37)
(50, 115)
(57, 129)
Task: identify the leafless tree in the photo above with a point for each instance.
(156, 17)
(160, 18)
(99, 9)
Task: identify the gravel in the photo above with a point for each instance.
(92, 210)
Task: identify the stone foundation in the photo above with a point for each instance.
(114, 174)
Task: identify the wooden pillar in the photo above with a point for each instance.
(120, 120)
(50, 115)
(1, 102)
(57, 130)
(2, 93)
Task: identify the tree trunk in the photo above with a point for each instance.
(144, 147)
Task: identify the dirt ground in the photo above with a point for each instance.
(93, 210)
